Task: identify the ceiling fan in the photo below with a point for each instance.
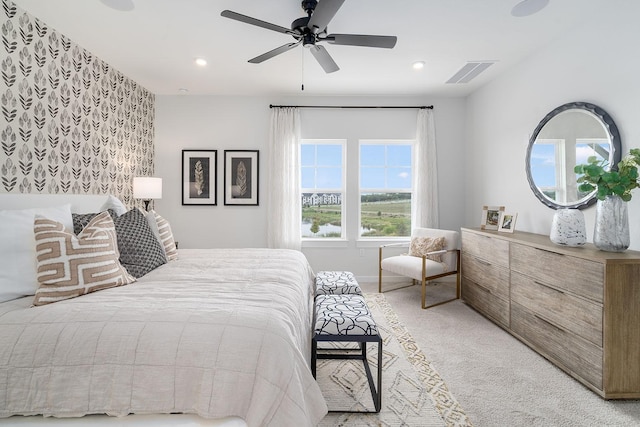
(311, 30)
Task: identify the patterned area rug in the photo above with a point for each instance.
(413, 394)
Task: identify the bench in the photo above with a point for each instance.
(346, 318)
(336, 283)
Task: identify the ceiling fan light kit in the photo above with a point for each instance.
(311, 30)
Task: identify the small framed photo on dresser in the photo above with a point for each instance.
(491, 217)
(507, 222)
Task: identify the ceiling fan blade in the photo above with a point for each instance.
(387, 42)
(324, 12)
(324, 59)
(253, 21)
(274, 52)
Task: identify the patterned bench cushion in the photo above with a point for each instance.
(336, 283)
(340, 315)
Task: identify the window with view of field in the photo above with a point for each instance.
(322, 188)
(385, 188)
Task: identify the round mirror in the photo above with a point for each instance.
(566, 137)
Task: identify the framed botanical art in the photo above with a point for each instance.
(199, 177)
(491, 217)
(241, 174)
(507, 222)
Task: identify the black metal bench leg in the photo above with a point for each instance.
(314, 356)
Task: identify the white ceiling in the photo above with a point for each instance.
(156, 43)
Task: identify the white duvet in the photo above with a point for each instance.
(216, 333)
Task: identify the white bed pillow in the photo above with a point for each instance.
(115, 204)
(18, 248)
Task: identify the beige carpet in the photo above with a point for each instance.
(413, 393)
(498, 380)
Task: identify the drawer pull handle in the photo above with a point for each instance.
(550, 252)
(542, 319)
(483, 288)
(483, 262)
(548, 287)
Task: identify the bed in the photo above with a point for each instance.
(220, 336)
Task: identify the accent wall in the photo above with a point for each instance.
(69, 122)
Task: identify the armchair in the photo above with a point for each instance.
(425, 266)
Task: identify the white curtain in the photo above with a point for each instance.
(284, 217)
(425, 173)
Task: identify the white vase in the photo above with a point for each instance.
(611, 232)
(568, 228)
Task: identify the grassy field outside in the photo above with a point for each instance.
(378, 218)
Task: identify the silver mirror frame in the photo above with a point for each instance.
(614, 137)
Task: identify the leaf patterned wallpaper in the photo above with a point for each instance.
(69, 122)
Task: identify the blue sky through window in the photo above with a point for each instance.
(385, 166)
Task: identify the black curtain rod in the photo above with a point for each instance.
(421, 107)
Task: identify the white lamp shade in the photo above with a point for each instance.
(146, 187)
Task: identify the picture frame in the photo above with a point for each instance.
(491, 217)
(199, 177)
(241, 177)
(507, 222)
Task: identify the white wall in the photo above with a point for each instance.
(597, 65)
(219, 123)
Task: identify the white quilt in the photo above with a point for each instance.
(216, 333)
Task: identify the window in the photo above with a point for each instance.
(385, 188)
(322, 188)
(552, 162)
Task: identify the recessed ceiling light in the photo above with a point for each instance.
(201, 62)
(418, 65)
(183, 90)
(528, 7)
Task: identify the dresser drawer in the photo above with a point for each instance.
(578, 315)
(487, 248)
(490, 276)
(576, 275)
(570, 352)
(485, 302)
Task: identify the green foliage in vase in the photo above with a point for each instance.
(620, 182)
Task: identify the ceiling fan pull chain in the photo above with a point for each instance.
(302, 68)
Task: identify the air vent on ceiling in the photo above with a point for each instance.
(470, 71)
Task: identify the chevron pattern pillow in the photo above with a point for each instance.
(69, 266)
(162, 230)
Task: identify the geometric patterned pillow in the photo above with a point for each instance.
(162, 230)
(140, 251)
(80, 221)
(70, 265)
(420, 246)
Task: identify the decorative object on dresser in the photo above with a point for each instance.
(577, 307)
(613, 188)
(563, 138)
(491, 217)
(568, 228)
(507, 221)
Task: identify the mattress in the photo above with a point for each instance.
(217, 333)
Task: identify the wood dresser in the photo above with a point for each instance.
(577, 307)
